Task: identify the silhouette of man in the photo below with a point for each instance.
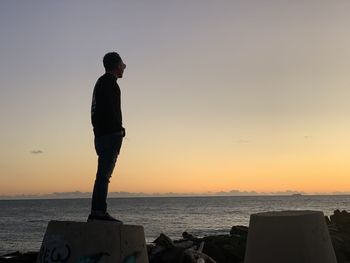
(106, 119)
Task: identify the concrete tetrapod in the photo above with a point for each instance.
(93, 242)
(289, 236)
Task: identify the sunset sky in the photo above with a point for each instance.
(217, 95)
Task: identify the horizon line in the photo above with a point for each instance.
(121, 194)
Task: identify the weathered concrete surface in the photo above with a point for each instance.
(289, 236)
(92, 242)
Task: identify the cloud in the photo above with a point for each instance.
(36, 152)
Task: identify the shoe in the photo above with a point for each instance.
(103, 217)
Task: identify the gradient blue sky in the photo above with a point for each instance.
(217, 95)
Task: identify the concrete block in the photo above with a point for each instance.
(93, 242)
(289, 236)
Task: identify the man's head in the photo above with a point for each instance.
(114, 64)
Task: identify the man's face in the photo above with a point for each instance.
(120, 69)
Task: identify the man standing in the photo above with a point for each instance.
(106, 118)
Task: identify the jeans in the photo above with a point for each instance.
(107, 148)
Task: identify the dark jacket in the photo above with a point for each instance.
(106, 114)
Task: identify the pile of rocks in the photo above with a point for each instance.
(190, 249)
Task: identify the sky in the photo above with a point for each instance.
(217, 95)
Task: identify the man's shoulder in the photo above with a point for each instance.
(105, 80)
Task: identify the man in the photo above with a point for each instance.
(106, 118)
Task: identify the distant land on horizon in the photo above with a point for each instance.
(78, 194)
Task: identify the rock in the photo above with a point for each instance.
(241, 231)
(193, 256)
(169, 255)
(164, 241)
(152, 250)
(166, 250)
(341, 220)
(201, 246)
(188, 236)
(184, 243)
(225, 248)
(196, 242)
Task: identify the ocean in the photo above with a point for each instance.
(23, 222)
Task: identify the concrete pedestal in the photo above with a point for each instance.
(93, 242)
(289, 237)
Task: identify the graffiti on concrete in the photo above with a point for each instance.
(92, 258)
(131, 258)
(54, 250)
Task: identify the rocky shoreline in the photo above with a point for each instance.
(219, 248)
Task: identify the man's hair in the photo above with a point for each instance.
(111, 60)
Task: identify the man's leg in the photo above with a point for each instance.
(106, 163)
(107, 149)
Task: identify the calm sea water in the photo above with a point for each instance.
(23, 222)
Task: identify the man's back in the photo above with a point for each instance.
(106, 115)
